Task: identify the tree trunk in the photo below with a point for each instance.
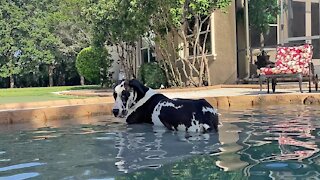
(102, 75)
(207, 69)
(11, 81)
(63, 83)
(261, 41)
(34, 80)
(50, 75)
(82, 80)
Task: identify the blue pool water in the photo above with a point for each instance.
(271, 142)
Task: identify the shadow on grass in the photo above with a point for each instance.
(95, 88)
(92, 87)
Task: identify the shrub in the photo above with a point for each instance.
(93, 63)
(152, 75)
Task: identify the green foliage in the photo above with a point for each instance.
(93, 63)
(38, 34)
(127, 20)
(118, 21)
(262, 13)
(179, 11)
(172, 21)
(152, 75)
(13, 28)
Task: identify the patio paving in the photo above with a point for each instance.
(211, 91)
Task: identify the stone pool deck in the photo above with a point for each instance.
(100, 102)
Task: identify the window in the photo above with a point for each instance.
(315, 19)
(147, 51)
(315, 30)
(297, 19)
(270, 38)
(303, 24)
(204, 35)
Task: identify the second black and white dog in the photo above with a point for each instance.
(140, 104)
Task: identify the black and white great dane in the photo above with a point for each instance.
(140, 104)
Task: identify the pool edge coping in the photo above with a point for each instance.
(42, 112)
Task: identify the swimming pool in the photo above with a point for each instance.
(258, 143)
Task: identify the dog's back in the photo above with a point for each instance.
(186, 115)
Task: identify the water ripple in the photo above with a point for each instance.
(20, 166)
(21, 176)
(5, 160)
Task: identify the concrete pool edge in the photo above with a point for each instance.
(245, 101)
(108, 93)
(42, 112)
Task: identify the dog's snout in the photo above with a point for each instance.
(115, 112)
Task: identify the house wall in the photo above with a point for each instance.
(223, 68)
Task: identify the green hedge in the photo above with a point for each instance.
(93, 63)
(152, 75)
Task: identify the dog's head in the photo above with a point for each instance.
(126, 95)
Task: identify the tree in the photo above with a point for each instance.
(261, 14)
(39, 37)
(125, 21)
(26, 38)
(46, 41)
(121, 24)
(75, 33)
(39, 40)
(13, 32)
(183, 26)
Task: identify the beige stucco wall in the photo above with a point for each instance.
(223, 70)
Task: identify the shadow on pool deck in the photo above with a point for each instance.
(100, 102)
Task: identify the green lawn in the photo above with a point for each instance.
(17, 95)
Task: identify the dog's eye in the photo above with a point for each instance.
(123, 95)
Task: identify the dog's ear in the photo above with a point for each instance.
(126, 85)
(117, 83)
(139, 87)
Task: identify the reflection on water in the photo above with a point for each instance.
(148, 147)
(263, 143)
(281, 142)
(21, 176)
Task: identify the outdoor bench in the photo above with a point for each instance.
(291, 62)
